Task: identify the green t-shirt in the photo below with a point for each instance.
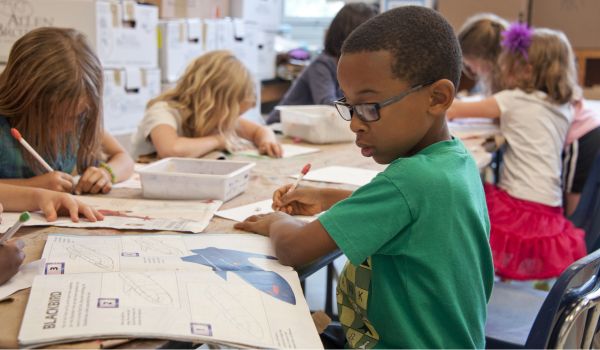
(417, 237)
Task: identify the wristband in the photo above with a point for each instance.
(105, 166)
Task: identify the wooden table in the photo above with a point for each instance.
(267, 175)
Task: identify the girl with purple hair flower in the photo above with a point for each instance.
(530, 237)
(480, 41)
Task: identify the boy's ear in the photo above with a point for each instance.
(441, 96)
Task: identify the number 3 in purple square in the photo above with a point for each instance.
(55, 268)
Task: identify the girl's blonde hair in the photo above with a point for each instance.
(209, 93)
(480, 38)
(51, 75)
(551, 63)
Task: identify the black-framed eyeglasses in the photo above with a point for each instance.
(369, 112)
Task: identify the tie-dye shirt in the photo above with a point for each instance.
(14, 166)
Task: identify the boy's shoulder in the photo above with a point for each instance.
(437, 168)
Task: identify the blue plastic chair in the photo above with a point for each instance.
(567, 316)
(587, 213)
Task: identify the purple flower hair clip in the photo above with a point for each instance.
(517, 38)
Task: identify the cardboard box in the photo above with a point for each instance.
(457, 11)
(170, 9)
(123, 33)
(266, 13)
(592, 93)
(580, 20)
(181, 41)
(126, 92)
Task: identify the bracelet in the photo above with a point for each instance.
(105, 166)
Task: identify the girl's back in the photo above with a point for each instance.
(535, 130)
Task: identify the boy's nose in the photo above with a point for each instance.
(357, 125)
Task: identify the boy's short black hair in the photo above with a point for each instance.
(421, 41)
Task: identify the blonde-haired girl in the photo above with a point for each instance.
(530, 237)
(51, 92)
(201, 113)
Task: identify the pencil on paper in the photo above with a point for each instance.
(302, 173)
(17, 135)
(11, 231)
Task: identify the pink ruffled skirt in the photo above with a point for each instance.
(530, 240)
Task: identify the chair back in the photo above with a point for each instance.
(587, 213)
(573, 300)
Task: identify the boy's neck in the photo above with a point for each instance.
(439, 132)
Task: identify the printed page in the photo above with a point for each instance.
(138, 214)
(263, 207)
(341, 175)
(288, 151)
(224, 288)
(70, 254)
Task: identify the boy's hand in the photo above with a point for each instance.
(54, 203)
(53, 181)
(301, 201)
(260, 223)
(272, 149)
(94, 180)
(11, 257)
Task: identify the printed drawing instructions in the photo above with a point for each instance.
(138, 214)
(217, 288)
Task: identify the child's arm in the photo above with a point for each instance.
(11, 257)
(169, 144)
(118, 167)
(262, 137)
(296, 243)
(18, 198)
(307, 200)
(487, 108)
(53, 181)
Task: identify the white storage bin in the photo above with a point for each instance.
(315, 123)
(188, 178)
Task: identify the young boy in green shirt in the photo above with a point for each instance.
(420, 269)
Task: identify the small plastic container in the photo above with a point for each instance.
(315, 124)
(188, 178)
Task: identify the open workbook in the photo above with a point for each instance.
(215, 288)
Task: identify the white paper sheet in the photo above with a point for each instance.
(138, 214)
(288, 151)
(341, 175)
(239, 214)
(23, 279)
(465, 128)
(216, 288)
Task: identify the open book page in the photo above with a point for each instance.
(138, 214)
(263, 207)
(216, 288)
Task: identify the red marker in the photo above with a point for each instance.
(17, 135)
(302, 173)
